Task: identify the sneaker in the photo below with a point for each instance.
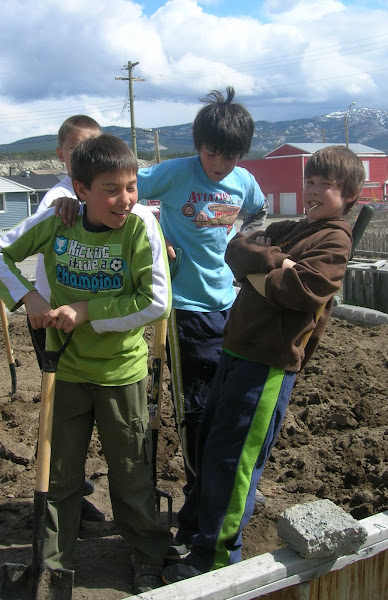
(179, 572)
(88, 487)
(177, 550)
(146, 577)
(90, 513)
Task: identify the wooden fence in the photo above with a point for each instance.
(374, 242)
(366, 284)
(284, 575)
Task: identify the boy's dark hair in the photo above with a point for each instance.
(223, 126)
(76, 122)
(97, 155)
(341, 164)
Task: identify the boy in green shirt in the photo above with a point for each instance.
(109, 277)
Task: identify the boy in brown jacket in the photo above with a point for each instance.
(287, 272)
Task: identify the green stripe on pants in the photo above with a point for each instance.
(249, 455)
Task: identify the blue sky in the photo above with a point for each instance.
(286, 60)
(221, 8)
(252, 8)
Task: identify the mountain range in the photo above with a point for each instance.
(365, 126)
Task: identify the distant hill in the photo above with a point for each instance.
(366, 126)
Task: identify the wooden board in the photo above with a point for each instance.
(259, 576)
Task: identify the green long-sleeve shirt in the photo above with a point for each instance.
(123, 275)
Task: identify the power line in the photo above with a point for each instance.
(56, 112)
(280, 60)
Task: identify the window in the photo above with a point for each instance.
(2, 202)
(34, 199)
(366, 169)
(270, 204)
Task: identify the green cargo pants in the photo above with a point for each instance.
(122, 421)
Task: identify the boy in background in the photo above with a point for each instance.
(200, 199)
(72, 131)
(109, 277)
(287, 272)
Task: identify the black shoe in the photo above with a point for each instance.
(179, 572)
(88, 487)
(90, 513)
(177, 550)
(145, 577)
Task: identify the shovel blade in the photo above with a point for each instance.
(15, 582)
(54, 584)
(159, 494)
(18, 583)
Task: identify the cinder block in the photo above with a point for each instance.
(320, 529)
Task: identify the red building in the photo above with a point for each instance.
(280, 175)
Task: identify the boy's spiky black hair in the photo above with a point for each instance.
(222, 125)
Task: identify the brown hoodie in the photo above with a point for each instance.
(270, 330)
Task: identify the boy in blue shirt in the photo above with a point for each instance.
(200, 199)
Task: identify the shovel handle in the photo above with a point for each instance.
(45, 430)
(157, 372)
(361, 224)
(49, 366)
(8, 348)
(318, 314)
(50, 358)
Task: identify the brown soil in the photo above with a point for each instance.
(333, 445)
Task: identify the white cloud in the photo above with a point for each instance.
(57, 58)
(301, 11)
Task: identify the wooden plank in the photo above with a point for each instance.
(363, 580)
(270, 572)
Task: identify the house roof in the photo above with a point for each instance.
(311, 147)
(36, 182)
(55, 172)
(6, 185)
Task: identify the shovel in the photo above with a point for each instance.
(359, 228)
(7, 342)
(154, 405)
(38, 581)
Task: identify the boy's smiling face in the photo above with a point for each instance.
(110, 199)
(322, 198)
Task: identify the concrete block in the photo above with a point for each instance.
(360, 315)
(320, 529)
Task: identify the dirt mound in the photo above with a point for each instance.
(333, 445)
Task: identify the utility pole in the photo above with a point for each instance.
(156, 137)
(157, 152)
(347, 124)
(130, 79)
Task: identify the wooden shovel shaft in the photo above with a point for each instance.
(4, 325)
(157, 371)
(45, 431)
(318, 314)
(8, 349)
